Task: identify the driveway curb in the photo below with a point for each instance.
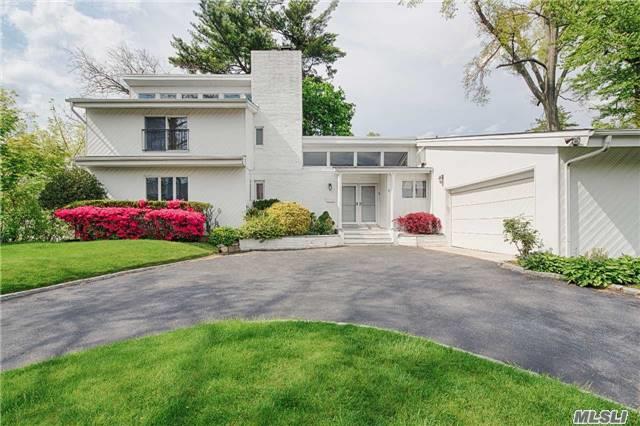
(612, 287)
(90, 280)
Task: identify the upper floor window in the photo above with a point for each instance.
(232, 95)
(341, 158)
(259, 136)
(368, 159)
(168, 96)
(189, 96)
(314, 158)
(210, 96)
(166, 134)
(395, 159)
(146, 95)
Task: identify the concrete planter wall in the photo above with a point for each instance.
(421, 240)
(293, 243)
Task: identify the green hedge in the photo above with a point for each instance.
(593, 271)
(224, 235)
(196, 205)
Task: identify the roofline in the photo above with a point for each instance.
(528, 135)
(205, 77)
(346, 141)
(162, 103)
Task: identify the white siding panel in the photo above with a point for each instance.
(477, 214)
(605, 203)
(224, 188)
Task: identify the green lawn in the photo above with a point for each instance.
(31, 265)
(284, 373)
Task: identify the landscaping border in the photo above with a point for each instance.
(298, 242)
(560, 277)
(90, 280)
(419, 240)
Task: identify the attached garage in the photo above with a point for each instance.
(477, 210)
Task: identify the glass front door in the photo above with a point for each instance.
(359, 203)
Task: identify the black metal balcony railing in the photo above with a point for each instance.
(165, 139)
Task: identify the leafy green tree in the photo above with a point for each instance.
(226, 31)
(605, 55)
(540, 125)
(10, 120)
(527, 38)
(69, 185)
(325, 109)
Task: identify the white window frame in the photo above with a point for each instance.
(255, 189)
(261, 128)
(413, 188)
(168, 96)
(155, 96)
(159, 183)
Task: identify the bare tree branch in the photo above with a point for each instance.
(533, 60)
(104, 77)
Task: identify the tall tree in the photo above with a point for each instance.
(103, 77)
(525, 38)
(226, 31)
(325, 109)
(605, 55)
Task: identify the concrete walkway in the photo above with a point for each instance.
(580, 335)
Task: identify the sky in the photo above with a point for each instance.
(403, 68)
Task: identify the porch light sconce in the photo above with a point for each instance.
(441, 179)
(330, 187)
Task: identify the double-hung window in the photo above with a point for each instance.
(167, 188)
(414, 189)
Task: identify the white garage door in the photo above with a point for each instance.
(477, 211)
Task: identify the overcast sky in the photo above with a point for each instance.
(403, 68)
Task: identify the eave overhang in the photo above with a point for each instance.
(163, 103)
(159, 161)
(382, 170)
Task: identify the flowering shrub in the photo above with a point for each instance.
(419, 223)
(92, 223)
(144, 204)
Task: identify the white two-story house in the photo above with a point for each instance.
(232, 139)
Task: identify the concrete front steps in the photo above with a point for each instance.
(367, 236)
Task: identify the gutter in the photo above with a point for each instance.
(567, 181)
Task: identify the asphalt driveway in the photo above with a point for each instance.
(581, 336)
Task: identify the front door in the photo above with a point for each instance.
(359, 203)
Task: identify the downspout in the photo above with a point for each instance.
(567, 182)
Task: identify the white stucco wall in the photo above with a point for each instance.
(222, 187)
(466, 165)
(605, 201)
(211, 131)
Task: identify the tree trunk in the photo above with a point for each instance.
(552, 115)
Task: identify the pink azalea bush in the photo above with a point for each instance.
(172, 223)
(419, 223)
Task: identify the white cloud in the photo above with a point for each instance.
(40, 71)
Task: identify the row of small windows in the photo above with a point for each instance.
(167, 188)
(193, 95)
(359, 159)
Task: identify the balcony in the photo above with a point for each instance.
(163, 140)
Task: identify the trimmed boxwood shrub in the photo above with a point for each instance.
(224, 235)
(419, 223)
(294, 219)
(185, 205)
(70, 185)
(262, 227)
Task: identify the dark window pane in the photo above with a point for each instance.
(178, 134)
(259, 136)
(342, 158)
(368, 159)
(232, 95)
(395, 159)
(154, 133)
(152, 189)
(146, 95)
(182, 188)
(314, 158)
(259, 190)
(189, 96)
(421, 189)
(209, 96)
(167, 96)
(167, 188)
